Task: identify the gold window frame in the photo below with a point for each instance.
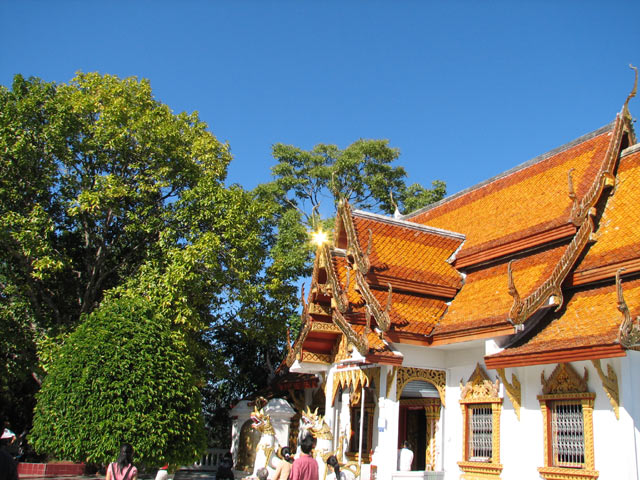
(564, 385)
(479, 389)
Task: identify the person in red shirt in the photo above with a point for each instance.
(305, 466)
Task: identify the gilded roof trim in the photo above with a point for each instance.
(629, 333)
(550, 291)
(359, 341)
(361, 259)
(336, 291)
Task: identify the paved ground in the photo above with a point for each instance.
(181, 475)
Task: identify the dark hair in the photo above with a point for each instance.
(262, 474)
(286, 454)
(306, 445)
(332, 461)
(126, 455)
(406, 444)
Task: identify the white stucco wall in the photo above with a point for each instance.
(616, 442)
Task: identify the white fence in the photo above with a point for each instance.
(210, 460)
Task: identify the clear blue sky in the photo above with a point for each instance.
(465, 89)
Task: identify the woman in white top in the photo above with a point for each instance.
(332, 462)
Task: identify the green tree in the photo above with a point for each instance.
(123, 375)
(363, 174)
(106, 195)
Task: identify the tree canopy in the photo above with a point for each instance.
(113, 209)
(105, 194)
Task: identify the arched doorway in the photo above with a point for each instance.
(249, 438)
(418, 417)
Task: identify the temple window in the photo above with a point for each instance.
(479, 432)
(567, 413)
(481, 406)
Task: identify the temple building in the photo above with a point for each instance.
(497, 331)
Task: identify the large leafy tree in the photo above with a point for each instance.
(106, 195)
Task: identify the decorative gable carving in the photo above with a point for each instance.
(564, 379)
(479, 387)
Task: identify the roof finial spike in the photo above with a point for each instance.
(625, 108)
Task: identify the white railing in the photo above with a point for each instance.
(210, 460)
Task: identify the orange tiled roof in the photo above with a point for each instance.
(409, 313)
(412, 313)
(484, 299)
(618, 235)
(410, 253)
(527, 200)
(591, 317)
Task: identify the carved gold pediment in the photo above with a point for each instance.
(479, 386)
(407, 374)
(564, 379)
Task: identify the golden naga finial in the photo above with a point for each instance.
(625, 108)
(516, 308)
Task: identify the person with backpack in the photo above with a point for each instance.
(123, 469)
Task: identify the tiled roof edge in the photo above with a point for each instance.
(629, 150)
(522, 166)
(408, 224)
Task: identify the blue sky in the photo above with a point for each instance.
(465, 89)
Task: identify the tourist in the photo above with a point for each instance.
(8, 467)
(332, 461)
(305, 467)
(262, 473)
(163, 472)
(123, 469)
(225, 469)
(284, 467)
(405, 458)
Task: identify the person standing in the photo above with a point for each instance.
(284, 467)
(405, 459)
(332, 461)
(225, 469)
(123, 469)
(305, 467)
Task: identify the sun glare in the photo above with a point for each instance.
(319, 238)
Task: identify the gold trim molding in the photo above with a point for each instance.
(355, 379)
(438, 378)
(610, 385)
(513, 389)
(390, 375)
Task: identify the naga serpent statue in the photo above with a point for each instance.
(315, 424)
(268, 445)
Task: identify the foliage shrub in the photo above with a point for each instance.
(122, 376)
